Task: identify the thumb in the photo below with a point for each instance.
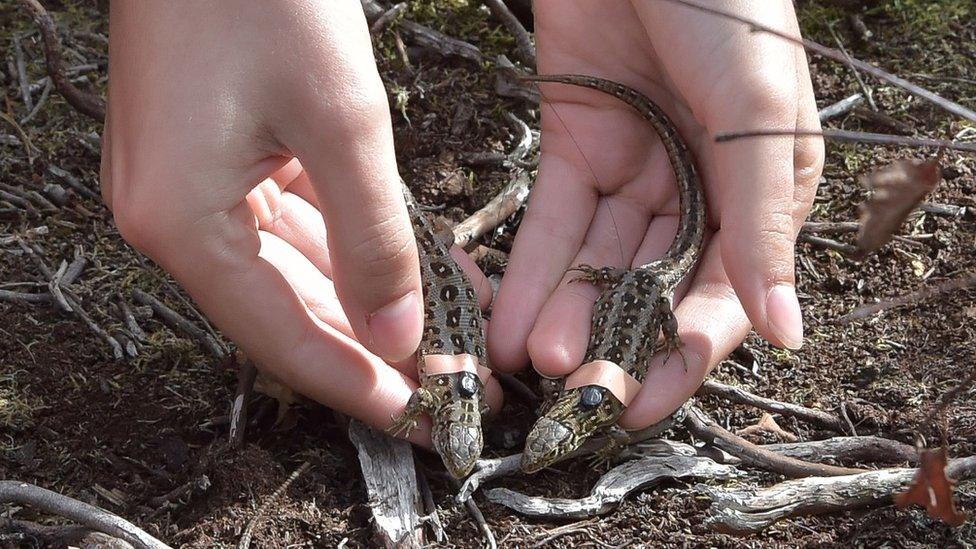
(375, 265)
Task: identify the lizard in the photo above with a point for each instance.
(632, 310)
(451, 357)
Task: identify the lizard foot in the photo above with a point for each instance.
(673, 345)
(403, 425)
(603, 458)
(669, 327)
(601, 461)
(594, 275)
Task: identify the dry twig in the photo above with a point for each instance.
(496, 211)
(176, 321)
(614, 486)
(391, 485)
(96, 518)
(862, 449)
(31, 534)
(86, 103)
(198, 484)
(864, 311)
(523, 39)
(841, 107)
(427, 37)
(272, 499)
(767, 424)
(247, 373)
(831, 53)
(740, 396)
(749, 510)
(388, 16)
(857, 75)
(852, 137)
(712, 433)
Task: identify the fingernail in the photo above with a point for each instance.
(784, 317)
(395, 328)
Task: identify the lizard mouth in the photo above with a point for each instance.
(548, 440)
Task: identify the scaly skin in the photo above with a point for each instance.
(452, 326)
(633, 309)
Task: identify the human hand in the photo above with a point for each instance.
(232, 129)
(606, 195)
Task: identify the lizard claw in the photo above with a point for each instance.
(603, 458)
(402, 426)
(594, 275)
(674, 346)
(588, 273)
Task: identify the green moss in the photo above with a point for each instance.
(924, 17)
(17, 405)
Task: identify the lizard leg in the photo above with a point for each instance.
(617, 440)
(599, 276)
(669, 327)
(420, 401)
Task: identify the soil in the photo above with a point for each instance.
(118, 433)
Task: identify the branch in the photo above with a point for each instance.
(426, 37)
(831, 53)
(840, 107)
(852, 137)
(523, 39)
(496, 211)
(391, 485)
(247, 374)
(272, 499)
(614, 486)
(740, 396)
(865, 311)
(866, 449)
(86, 103)
(96, 518)
(176, 321)
(749, 510)
(712, 433)
(72, 535)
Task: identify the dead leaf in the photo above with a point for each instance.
(896, 190)
(272, 387)
(767, 424)
(932, 489)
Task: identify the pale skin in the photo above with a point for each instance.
(248, 150)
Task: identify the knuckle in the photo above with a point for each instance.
(358, 106)
(139, 220)
(808, 161)
(776, 229)
(769, 96)
(384, 251)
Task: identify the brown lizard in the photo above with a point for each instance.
(451, 357)
(630, 313)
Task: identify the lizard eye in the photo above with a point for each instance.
(590, 397)
(468, 384)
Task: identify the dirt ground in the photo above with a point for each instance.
(119, 433)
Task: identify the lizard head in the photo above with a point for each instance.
(575, 416)
(456, 433)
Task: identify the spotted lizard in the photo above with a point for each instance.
(451, 357)
(633, 309)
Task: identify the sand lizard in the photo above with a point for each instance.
(630, 313)
(451, 355)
